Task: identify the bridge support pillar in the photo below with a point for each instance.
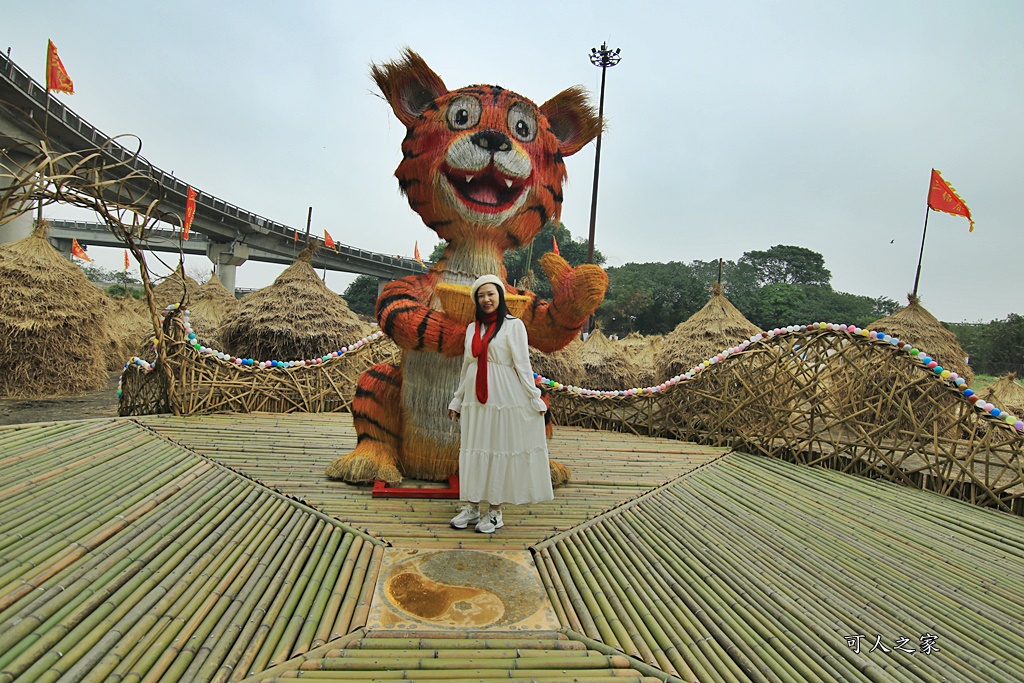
(227, 257)
(381, 283)
(20, 226)
(63, 245)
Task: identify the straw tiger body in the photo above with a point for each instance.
(483, 167)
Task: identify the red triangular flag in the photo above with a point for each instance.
(416, 252)
(56, 75)
(78, 252)
(942, 197)
(554, 245)
(127, 263)
(328, 241)
(190, 212)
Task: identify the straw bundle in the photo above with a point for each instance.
(917, 326)
(717, 326)
(53, 337)
(295, 317)
(606, 365)
(213, 302)
(644, 353)
(563, 366)
(128, 321)
(170, 289)
(1007, 393)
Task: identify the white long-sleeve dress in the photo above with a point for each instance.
(503, 455)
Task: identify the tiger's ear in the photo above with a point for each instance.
(409, 85)
(573, 119)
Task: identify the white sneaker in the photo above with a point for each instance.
(467, 515)
(489, 521)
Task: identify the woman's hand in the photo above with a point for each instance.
(452, 415)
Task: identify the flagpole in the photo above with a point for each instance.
(46, 139)
(924, 233)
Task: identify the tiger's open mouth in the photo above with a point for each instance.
(487, 191)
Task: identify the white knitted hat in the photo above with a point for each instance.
(483, 280)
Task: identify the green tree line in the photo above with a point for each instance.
(783, 285)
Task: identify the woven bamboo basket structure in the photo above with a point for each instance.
(208, 383)
(456, 302)
(779, 397)
(714, 327)
(54, 338)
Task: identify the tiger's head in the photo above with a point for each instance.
(481, 162)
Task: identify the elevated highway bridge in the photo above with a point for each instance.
(229, 235)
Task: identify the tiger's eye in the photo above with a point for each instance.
(522, 121)
(464, 112)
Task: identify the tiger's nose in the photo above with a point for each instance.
(492, 141)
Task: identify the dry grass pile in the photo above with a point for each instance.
(213, 302)
(169, 290)
(296, 317)
(719, 325)
(917, 326)
(53, 333)
(128, 321)
(606, 365)
(1007, 393)
(643, 351)
(565, 365)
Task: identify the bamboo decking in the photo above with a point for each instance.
(212, 549)
(289, 452)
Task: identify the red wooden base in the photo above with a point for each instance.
(382, 490)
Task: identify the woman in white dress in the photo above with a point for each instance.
(503, 455)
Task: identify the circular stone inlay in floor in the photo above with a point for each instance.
(463, 589)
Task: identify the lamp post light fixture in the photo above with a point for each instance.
(604, 58)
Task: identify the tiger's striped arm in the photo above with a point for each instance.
(577, 294)
(404, 316)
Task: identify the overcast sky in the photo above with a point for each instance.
(732, 126)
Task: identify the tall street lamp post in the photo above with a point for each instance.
(603, 58)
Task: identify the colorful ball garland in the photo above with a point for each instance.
(243, 362)
(927, 361)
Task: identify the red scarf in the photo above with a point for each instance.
(480, 345)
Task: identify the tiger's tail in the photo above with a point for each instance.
(376, 415)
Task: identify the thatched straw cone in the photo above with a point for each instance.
(563, 366)
(296, 317)
(643, 352)
(127, 322)
(169, 290)
(606, 365)
(53, 337)
(213, 302)
(1007, 393)
(717, 326)
(917, 326)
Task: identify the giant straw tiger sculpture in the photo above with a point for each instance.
(483, 168)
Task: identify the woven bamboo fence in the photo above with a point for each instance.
(209, 381)
(830, 398)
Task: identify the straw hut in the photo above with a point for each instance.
(717, 326)
(564, 365)
(53, 336)
(917, 326)
(1007, 393)
(643, 351)
(606, 365)
(213, 302)
(128, 320)
(169, 290)
(294, 318)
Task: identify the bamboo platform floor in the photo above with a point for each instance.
(289, 452)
